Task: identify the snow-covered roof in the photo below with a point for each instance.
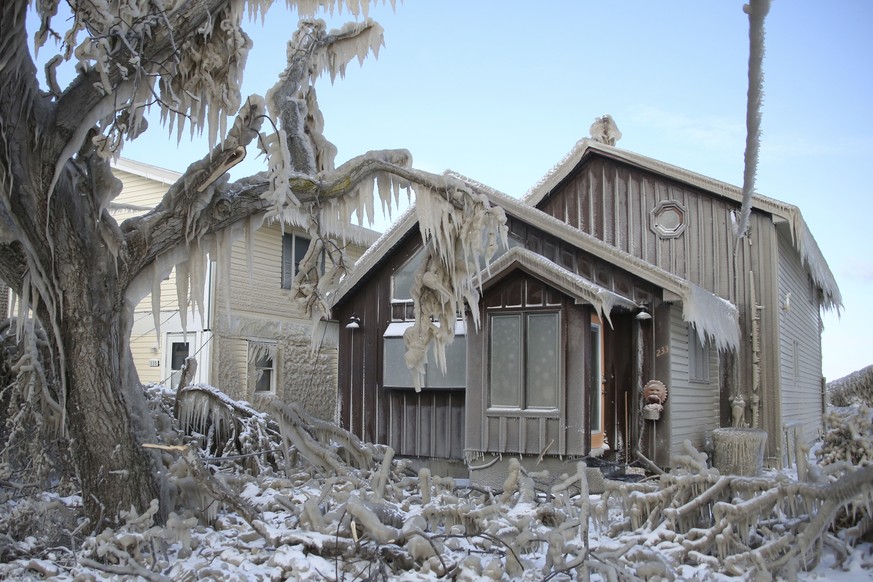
(721, 325)
(803, 240)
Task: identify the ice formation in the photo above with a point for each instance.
(757, 11)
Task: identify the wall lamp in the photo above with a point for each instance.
(643, 313)
(354, 322)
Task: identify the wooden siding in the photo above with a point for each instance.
(692, 408)
(427, 424)
(258, 309)
(613, 201)
(137, 191)
(800, 340)
(504, 430)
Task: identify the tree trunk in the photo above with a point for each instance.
(108, 419)
(107, 416)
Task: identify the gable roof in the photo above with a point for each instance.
(802, 238)
(711, 315)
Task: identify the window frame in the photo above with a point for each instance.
(290, 261)
(457, 349)
(256, 348)
(523, 393)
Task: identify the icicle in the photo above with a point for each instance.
(757, 11)
(156, 303)
(182, 280)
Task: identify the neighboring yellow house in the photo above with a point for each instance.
(254, 340)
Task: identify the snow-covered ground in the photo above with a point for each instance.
(388, 522)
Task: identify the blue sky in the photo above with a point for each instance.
(501, 91)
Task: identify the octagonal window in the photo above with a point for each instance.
(668, 219)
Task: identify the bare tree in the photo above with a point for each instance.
(81, 273)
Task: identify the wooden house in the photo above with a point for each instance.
(251, 339)
(621, 270)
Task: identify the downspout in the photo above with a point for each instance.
(756, 352)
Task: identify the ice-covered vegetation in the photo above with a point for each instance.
(80, 273)
(279, 494)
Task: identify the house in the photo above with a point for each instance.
(623, 285)
(251, 338)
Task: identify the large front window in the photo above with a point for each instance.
(395, 374)
(525, 363)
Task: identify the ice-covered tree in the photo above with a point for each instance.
(81, 273)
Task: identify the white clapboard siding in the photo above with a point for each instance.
(800, 356)
(693, 406)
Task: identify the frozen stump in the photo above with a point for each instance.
(739, 451)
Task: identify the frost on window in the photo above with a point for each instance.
(294, 248)
(262, 368)
(524, 368)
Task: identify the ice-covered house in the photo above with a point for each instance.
(251, 338)
(621, 271)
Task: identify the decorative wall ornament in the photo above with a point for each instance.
(668, 219)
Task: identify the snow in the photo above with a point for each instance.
(383, 520)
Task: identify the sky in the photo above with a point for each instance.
(501, 91)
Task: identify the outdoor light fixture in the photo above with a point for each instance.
(643, 313)
(354, 322)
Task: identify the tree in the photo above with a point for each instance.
(81, 273)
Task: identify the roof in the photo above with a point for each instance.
(720, 323)
(570, 283)
(803, 240)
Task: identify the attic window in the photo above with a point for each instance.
(668, 219)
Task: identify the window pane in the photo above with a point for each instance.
(542, 360)
(402, 280)
(394, 370)
(456, 367)
(178, 355)
(301, 245)
(264, 379)
(505, 365)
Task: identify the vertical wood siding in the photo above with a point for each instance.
(425, 424)
(800, 340)
(613, 201)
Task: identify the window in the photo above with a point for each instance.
(262, 370)
(698, 358)
(395, 374)
(294, 248)
(668, 219)
(178, 354)
(524, 363)
(401, 287)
